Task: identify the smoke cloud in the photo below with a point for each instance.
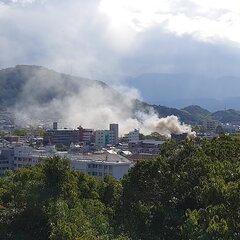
(49, 96)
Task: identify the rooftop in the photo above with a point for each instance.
(111, 158)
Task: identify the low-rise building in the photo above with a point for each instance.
(104, 138)
(99, 165)
(179, 137)
(6, 160)
(147, 146)
(133, 136)
(85, 135)
(62, 137)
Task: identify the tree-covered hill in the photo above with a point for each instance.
(227, 116)
(190, 114)
(31, 88)
(40, 84)
(197, 111)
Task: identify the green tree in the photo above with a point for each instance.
(20, 132)
(52, 201)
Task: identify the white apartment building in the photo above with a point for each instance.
(99, 165)
(104, 137)
(133, 136)
(28, 156)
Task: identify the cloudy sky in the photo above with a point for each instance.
(111, 39)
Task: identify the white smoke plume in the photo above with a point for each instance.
(166, 125)
(48, 96)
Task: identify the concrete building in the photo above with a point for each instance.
(64, 137)
(114, 128)
(85, 135)
(211, 125)
(99, 165)
(28, 156)
(6, 160)
(61, 137)
(104, 138)
(55, 125)
(147, 146)
(133, 136)
(179, 137)
(13, 138)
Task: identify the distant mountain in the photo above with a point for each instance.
(198, 113)
(227, 116)
(164, 111)
(180, 90)
(37, 94)
(43, 93)
(191, 114)
(197, 110)
(39, 84)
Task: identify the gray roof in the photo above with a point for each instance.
(110, 158)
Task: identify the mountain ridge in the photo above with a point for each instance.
(25, 85)
(181, 89)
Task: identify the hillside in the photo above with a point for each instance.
(227, 116)
(36, 93)
(36, 83)
(180, 90)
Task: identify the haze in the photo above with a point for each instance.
(113, 41)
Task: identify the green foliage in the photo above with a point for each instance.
(3, 133)
(20, 132)
(189, 192)
(52, 201)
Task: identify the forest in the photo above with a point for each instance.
(190, 191)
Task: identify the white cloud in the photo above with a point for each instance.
(105, 39)
(206, 20)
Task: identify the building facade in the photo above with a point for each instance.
(104, 138)
(98, 165)
(114, 128)
(133, 136)
(6, 160)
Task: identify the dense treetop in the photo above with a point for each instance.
(189, 192)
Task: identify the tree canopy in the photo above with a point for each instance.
(191, 191)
